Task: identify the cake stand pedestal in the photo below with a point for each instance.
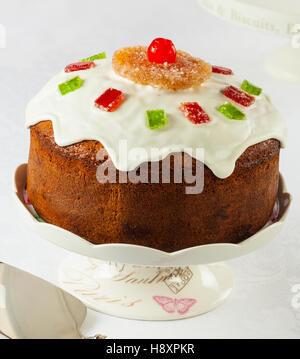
(144, 292)
(284, 63)
(136, 282)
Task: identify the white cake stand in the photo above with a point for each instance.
(280, 18)
(143, 283)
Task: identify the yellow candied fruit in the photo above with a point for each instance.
(132, 63)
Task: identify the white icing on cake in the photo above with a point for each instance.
(75, 118)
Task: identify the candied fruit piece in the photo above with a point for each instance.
(161, 51)
(194, 112)
(238, 96)
(38, 218)
(156, 119)
(79, 66)
(231, 112)
(100, 56)
(26, 199)
(133, 64)
(110, 100)
(221, 70)
(250, 88)
(71, 85)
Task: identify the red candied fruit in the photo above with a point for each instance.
(238, 96)
(194, 112)
(110, 100)
(78, 66)
(26, 199)
(221, 70)
(161, 51)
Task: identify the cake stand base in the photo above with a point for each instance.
(146, 292)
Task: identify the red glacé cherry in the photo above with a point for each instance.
(161, 51)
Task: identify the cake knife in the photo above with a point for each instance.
(33, 308)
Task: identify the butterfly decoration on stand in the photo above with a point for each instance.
(170, 305)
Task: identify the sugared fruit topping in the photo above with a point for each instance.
(161, 51)
(250, 88)
(231, 112)
(194, 112)
(156, 119)
(238, 96)
(71, 85)
(187, 72)
(110, 100)
(222, 70)
(79, 66)
(100, 56)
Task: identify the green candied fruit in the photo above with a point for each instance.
(38, 218)
(231, 112)
(250, 88)
(100, 56)
(71, 85)
(156, 119)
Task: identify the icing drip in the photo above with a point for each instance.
(75, 118)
